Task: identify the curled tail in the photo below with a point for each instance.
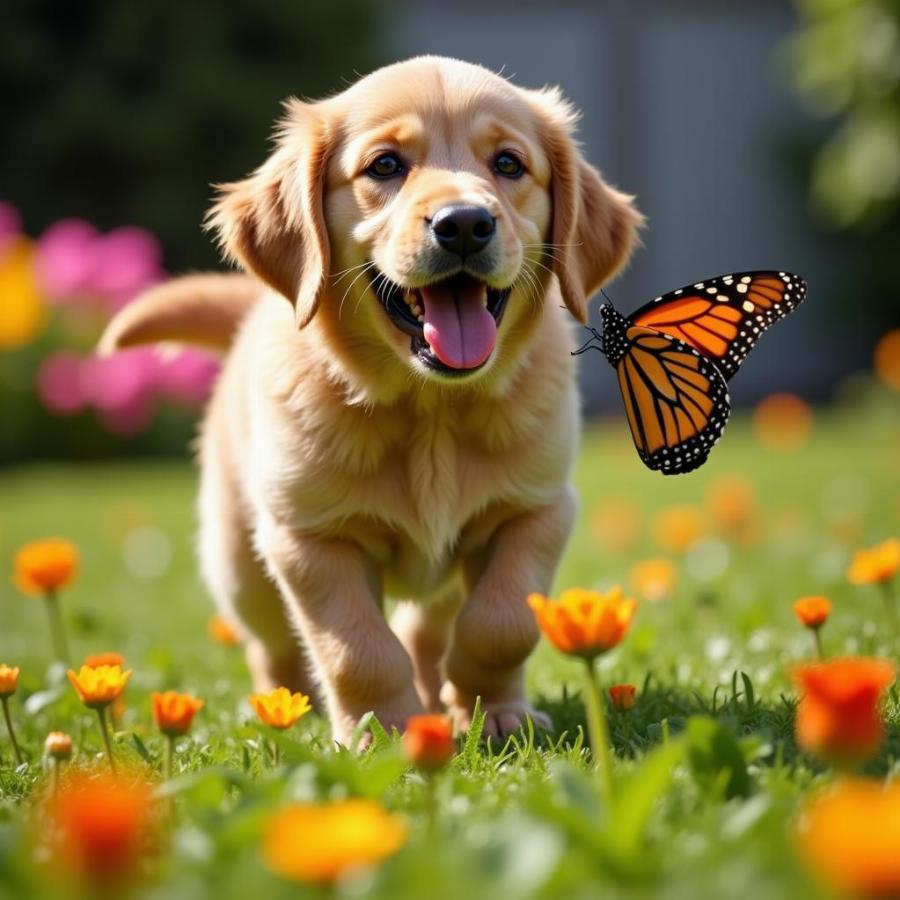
(201, 309)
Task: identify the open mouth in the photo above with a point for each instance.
(452, 323)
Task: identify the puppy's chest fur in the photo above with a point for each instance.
(421, 484)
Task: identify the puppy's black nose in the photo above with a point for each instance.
(463, 230)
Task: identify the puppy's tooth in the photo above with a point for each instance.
(420, 317)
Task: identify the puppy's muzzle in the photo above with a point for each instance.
(463, 230)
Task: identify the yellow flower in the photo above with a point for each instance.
(876, 564)
(654, 579)
(45, 566)
(584, 623)
(850, 836)
(9, 680)
(101, 686)
(320, 843)
(280, 708)
(678, 528)
(22, 310)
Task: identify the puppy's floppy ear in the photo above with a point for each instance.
(594, 226)
(272, 223)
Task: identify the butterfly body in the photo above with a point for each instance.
(674, 356)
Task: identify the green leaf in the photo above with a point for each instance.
(748, 691)
(473, 738)
(716, 759)
(637, 795)
(141, 748)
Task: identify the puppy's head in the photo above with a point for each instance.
(424, 209)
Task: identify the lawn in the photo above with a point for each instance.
(705, 809)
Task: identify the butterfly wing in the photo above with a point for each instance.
(723, 318)
(676, 400)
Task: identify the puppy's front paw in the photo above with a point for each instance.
(501, 717)
(391, 713)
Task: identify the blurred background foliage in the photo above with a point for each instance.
(126, 113)
(117, 118)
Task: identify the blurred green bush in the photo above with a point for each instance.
(125, 113)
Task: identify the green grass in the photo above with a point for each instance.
(522, 820)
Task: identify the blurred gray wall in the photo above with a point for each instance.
(683, 106)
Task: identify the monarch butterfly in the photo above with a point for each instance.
(674, 356)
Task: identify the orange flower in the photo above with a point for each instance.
(9, 680)
(732, 506)
(678, 528)
(43, 567)
(812, 612)
(838, 716)
(582, 622)
(58, 745)
(105, 659)
(174, 712)
(622, 696)
(875, 565)
(654, 579)
(615, 525)
(103, 827)
(320, 843)
(101, 686)
(280, 708)
(222, 632)
(887, 359)
(783, 421)
(428, 742)
(850, 836)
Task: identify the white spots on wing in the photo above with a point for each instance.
(679, 291)
(722, 298)
(746, 279)
(742, 288)
(711, 290)
(699, 285)
(748, 306)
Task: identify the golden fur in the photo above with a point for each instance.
(336, 468)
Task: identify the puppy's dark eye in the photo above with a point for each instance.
(385, 166)
(508, 165)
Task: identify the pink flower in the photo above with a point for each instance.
(187, 377)
(59, 383)
(75, 262)
(121, 387)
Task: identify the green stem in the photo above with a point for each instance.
(101, 714)
(54, 775)
(276, 755)
(9, 728)
(598, 731)
(57, 628)
(890, 607)
(170, 756)
(818, 639)
(431, 806)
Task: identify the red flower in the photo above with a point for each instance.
(622, 696)
(428, 742)
(838, 716)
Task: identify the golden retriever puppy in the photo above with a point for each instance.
(397, 413)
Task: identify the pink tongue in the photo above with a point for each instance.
(458, 327)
